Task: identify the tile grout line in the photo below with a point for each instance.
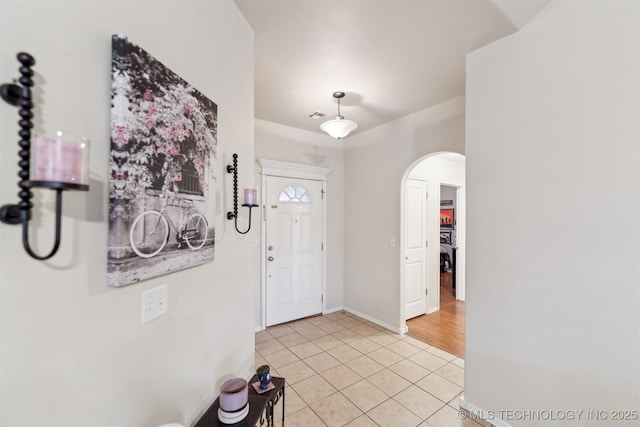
(345, 331)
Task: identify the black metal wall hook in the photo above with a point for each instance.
(234, 215)
(19, 95)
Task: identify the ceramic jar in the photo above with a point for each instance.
(234, 395)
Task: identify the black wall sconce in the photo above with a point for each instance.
(250, 196)
(60, 162)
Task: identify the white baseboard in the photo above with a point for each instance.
(258, 328)
(401, 330)
(433, 310)
(333, 310)
(481, 413)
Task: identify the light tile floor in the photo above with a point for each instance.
(341, 370)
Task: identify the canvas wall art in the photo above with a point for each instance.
(445, 237)
(447, 220)
(162, 169)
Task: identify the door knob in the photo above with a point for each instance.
(270, 248)
(270, 258)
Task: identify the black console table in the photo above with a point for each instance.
(256, 417)
(272, 395)
(261, 407)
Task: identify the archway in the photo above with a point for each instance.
(437, 171)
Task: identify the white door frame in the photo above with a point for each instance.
(461, 243)
(295, 171)
(460, 239)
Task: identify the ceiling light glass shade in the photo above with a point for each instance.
(339, 127)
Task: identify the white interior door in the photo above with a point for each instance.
(294, 230)
(415, 250)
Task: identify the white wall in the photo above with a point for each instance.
(287, 144)
(552, 133)
(375, 163)
(437, 170)
(72, 350)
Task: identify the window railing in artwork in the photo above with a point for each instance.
(190, 184)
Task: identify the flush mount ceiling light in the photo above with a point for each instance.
(338, 127)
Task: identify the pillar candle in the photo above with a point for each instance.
(62, 158)
(250, 196)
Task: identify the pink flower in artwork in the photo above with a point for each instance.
(189, 108)
(147, 95)
(179, 132)
(174, 151)
(119, 174)
(202, 145)
(174, 177)
(159, 146)
(197, 162)
(120, 140)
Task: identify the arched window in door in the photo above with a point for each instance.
(294, 193)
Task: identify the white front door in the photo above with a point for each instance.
(294, 209)
(415, 250)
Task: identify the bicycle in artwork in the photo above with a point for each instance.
(149, 232)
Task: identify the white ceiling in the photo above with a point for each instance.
(391, 57)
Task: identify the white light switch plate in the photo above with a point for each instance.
(154, 303)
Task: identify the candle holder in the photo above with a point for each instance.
(250, 196)
(66, 176)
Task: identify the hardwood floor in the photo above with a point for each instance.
(444, 328)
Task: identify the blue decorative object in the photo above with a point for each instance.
(264, 374)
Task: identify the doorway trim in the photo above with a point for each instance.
(295, 171)
(460, 292)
